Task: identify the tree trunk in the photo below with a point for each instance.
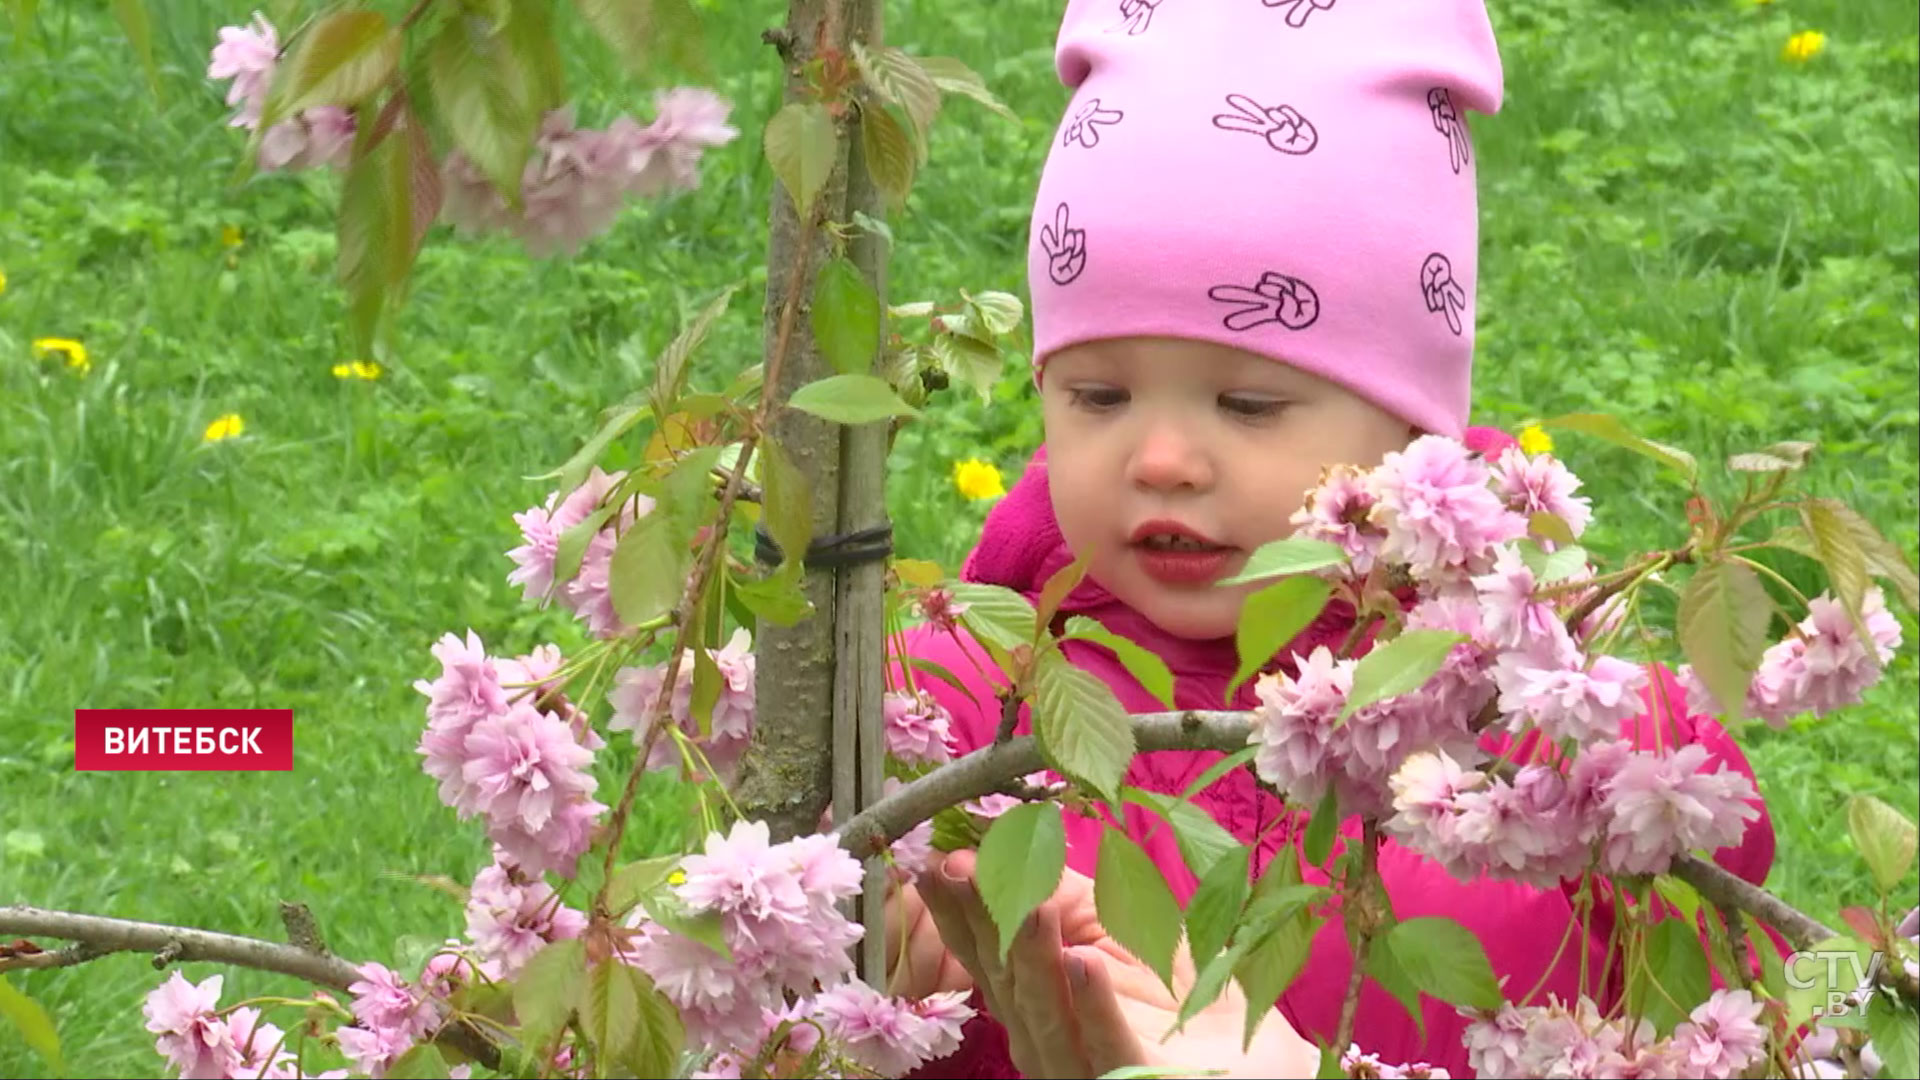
(818, 684)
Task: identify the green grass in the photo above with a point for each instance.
(1678, 227)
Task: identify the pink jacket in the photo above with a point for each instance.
(1518, 925)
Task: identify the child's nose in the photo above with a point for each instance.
(1169, 459)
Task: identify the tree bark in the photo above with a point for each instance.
(787, 775)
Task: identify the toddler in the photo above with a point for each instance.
(1253, 256)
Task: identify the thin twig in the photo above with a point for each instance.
(709, 557)
(1363, 920)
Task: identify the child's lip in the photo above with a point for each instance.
(1169, 527)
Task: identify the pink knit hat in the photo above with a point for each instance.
(1289, 177)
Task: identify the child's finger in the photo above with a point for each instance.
(1040, 994)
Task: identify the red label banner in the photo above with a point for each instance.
(185, 740)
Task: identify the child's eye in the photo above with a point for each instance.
(1098, 398)
(1251, 406)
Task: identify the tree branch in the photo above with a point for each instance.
(986, 770)
(98, 935)
(102, 936)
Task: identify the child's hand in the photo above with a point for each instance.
(1075, 1003)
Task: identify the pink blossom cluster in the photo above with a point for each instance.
(579, 179)
(500, 754)
(636, 689)
(313, 138)
(588, 593)
(576, 180)
(1436, 508)
(1722, 1038)
(919, 730)
(1637, 810)
(204, 1045)
(866, 1033)
(1362, 1066)
(779, 917)
(1303, 746)
(1822, 667)
(510, 917)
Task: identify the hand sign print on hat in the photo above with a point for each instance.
(1084, 128)
(1138, 15)
(1298, 10)
(1276, 298)
(1443, 293)
(1447, 121)
(1066, 248)
(1285, 129)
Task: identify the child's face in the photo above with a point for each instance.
(1152, 436)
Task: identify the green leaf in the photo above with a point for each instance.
(846, 317)
(706, 691)
(1840, 554)
(34, 1025)
(1680, 894)
(788, 507)
(1399, 667)
(1321, 829)
(889, 153)
(1219, 769)
(1273, 617)
(954, 77)
(1885, 838)
(1723, 620)
(1604, 426)
(778, 597)
(572, 548)
(801, 145)
(649, 569)
(1883, 557)
(999, 312)
(1272, 964)
(1894, 1029)
(955, 830)
(137, 24)
(548, 987)
(1761, 462)
(485, 93)
(343, 59)
(1216, 905)
(647, 33)
(705, 927)
(1445, 961)
(945, 675)
(422, 1061)
(1134, 905)
(610, 1008)
(850, 399)
(659, 1035)
(1293, 555)
(1054, 591)
(898, 77)
(376, 219)
(1550, 527)
(995, 613)
(1019, 864)
(1203, 842)
(1384, 967)
(1144, 665)
(1551, 566)
(619, 421)
(1080, 727)
(670, 370)
(635, 881)
(1674, 979)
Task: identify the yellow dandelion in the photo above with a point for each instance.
(1803, 46)
(229, 426)
(231, 236)
(72, 351)
(3, 283)
(359, 369)
(977, 479)
(1535, 441)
